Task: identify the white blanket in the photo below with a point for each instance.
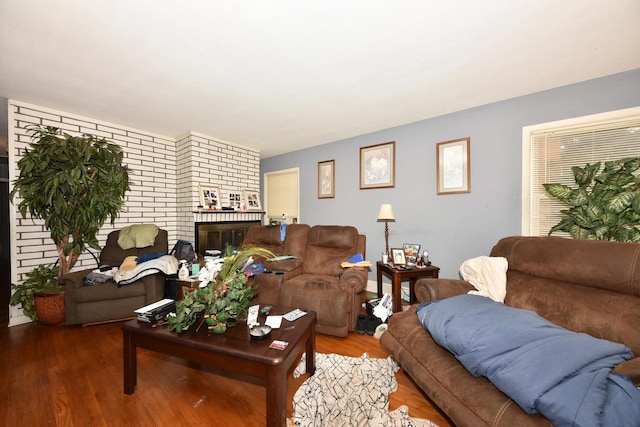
(488, 275)
(166, 264)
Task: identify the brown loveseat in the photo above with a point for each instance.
(314, 280)
(582, 285)
(107, 301)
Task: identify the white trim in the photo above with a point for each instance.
(593, 119)
(15, 315)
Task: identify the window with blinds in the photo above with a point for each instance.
(550, 151)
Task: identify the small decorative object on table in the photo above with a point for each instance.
(220, 301)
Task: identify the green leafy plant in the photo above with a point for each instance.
(219, 304)
(43, 278)
(605, 205)
(73, 183)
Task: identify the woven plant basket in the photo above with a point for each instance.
(50, 307)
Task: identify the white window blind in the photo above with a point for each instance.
(551, 150)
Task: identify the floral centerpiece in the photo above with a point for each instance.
(223, 294)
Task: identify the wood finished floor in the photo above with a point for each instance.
(72, 376)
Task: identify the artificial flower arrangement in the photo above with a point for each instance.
(222, 295)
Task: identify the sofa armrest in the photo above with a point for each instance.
(354, 278)
(436, 289)
(74, 280)
(284, 265)
(630, 368)
(154, 287)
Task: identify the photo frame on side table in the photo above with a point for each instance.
(326, 179)
(453, 159)
(378, 166)
(411, 251)
(252, 199)
(210, 197)
(397, 257)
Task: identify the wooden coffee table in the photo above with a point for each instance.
(233, 354)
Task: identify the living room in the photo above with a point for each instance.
(452, 227)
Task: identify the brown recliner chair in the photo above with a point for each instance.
(107, 301)
(268, 237)
(314, 280)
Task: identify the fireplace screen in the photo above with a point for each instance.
(219, 235)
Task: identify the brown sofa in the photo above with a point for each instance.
(107, 301)
(314, 280)
(582, 285)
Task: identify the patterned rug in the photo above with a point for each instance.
(350, 391)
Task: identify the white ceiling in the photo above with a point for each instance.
(285, 75)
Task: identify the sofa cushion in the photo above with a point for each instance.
(108, 291)
(583, 285)
(112, 254)
(327, 247)
(137, 236)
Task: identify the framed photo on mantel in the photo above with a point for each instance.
(252, 200)
(210, 197)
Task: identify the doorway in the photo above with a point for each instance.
(282, 196)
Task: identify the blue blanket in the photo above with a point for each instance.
(563, 375)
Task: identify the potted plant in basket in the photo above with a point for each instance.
(40, 295)
(220, 302)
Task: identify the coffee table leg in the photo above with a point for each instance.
(310, 358)
(276, 396)
(130, 363)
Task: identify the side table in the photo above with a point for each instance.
(397, 275)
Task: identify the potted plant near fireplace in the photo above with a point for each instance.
(40, 295)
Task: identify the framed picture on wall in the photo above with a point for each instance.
(252, 200)
(378, 166)
(326, 179)
(453, 166)
(210, 197)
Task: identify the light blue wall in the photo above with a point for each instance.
(452, 227)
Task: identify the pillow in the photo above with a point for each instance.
(137, 236)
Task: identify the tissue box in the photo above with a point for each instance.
(371, 304)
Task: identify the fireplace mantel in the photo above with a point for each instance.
(227, 216)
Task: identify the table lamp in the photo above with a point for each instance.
(386, 215)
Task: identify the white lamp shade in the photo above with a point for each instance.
(386, 213)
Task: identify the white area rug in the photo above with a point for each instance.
(350, 391)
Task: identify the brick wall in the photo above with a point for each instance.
(164, 173)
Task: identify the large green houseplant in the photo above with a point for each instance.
(73, 183)
(605, 205)
(219, 304)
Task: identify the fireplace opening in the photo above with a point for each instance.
(219, 235)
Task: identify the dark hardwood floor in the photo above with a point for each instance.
(72, 376)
